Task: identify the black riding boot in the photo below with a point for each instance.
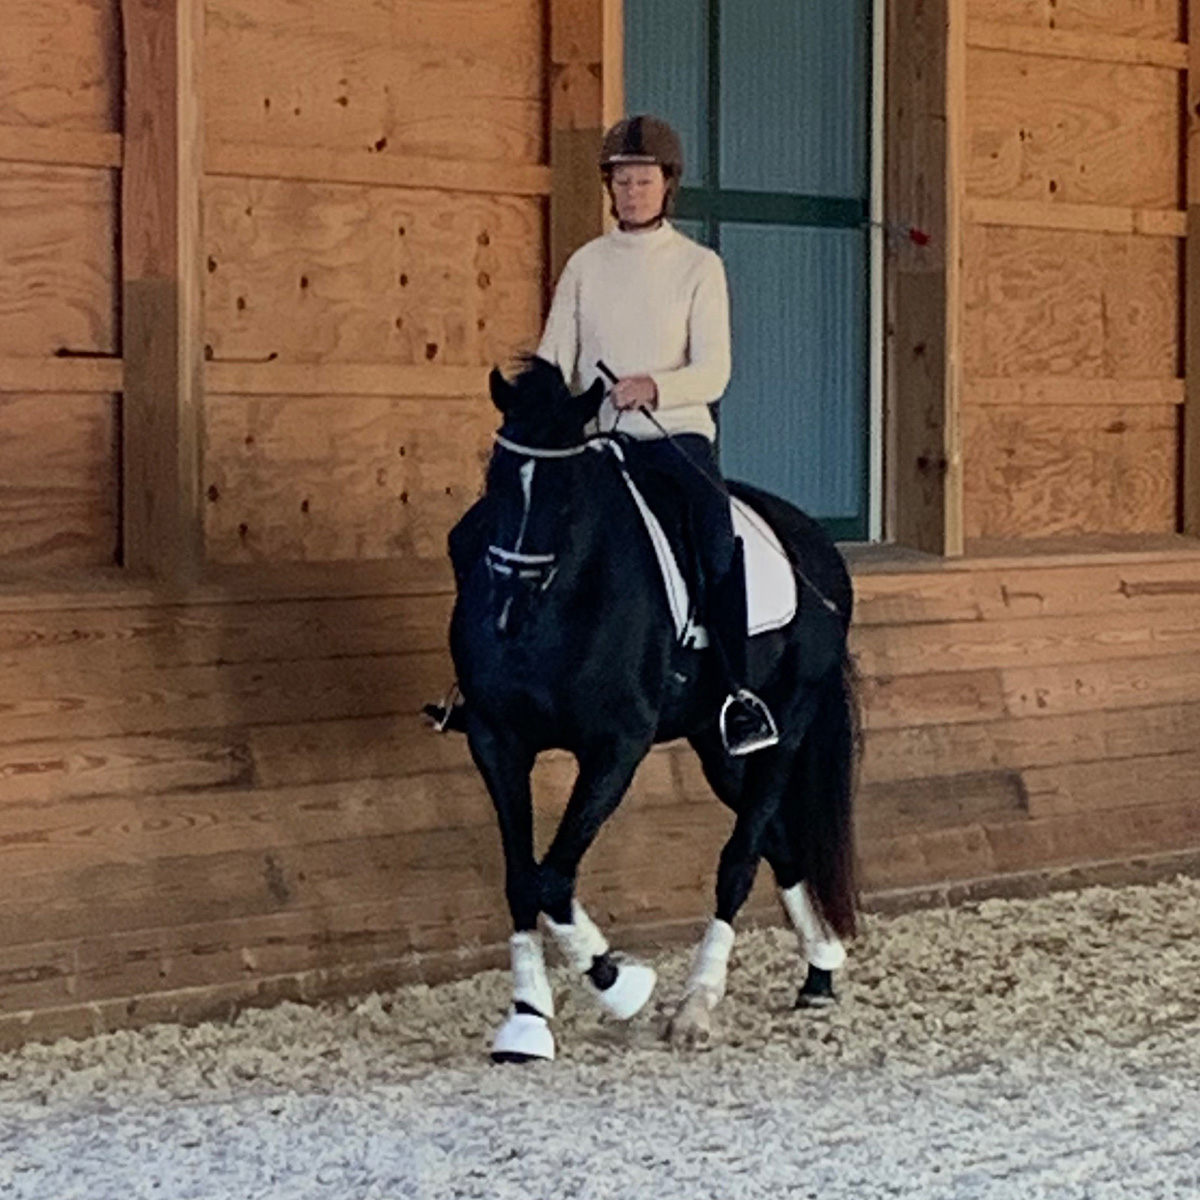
(745, 720)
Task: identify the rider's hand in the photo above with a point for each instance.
(635, 391)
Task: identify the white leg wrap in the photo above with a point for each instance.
(711, 963)
(530, 983)
(580, 941)
(822, 947)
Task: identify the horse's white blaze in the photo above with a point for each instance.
(527, 470)
(531, 985)
(580, 941)
(710, 966)
(822, 947)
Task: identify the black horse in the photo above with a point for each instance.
(562, 638)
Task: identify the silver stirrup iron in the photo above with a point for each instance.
(769, 738)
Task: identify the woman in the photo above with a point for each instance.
(650, 306)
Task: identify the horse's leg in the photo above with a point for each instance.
(505, 765)
(767, 776)
(821, 947)
(622, 986)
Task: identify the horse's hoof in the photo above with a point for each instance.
(523, 1038)
(817, 991)
(692, 1027)
(630, 991)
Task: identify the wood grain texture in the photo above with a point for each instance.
(1091, 47)
(1071, 131)
(1071, 470)
(923, 159)
(981, 645)
(1027, 590)
(161, 286)
(60, 147)
(1085, 305)
(60, 64)
(378, 170)
(1116, 18)
(923, 752)
(321, 273)
(58, 261)
(58, 481)
(439, 78)
(1190, 458)
(367, 477)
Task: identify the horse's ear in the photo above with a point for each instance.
(502, 391)
(587, 404)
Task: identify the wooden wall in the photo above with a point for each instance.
(1072, 267)
(230, 799)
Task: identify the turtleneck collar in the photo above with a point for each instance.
(643, 239)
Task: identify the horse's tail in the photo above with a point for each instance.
(824, 777)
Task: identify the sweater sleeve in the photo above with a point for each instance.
(560, 339)
(706, 375)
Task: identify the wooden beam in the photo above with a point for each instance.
(59, 147)
(1053, 391)
(585, 95)
(925, 106)
(378, 170)
(1093, 218)
(344, 379)
(1092, 47)
(161, 300)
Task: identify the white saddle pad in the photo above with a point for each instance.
(770, 580)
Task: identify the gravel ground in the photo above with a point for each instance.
(1025, 1049)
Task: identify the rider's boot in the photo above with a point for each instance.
(745, 721)
(449, 716)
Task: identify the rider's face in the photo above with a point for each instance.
(638, 191)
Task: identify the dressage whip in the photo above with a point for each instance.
(768, 534)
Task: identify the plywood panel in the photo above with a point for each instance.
(60, 64)
(333, 273)
(1043, 303)
(58, 260)
(58, 481)
(1071, 131)
(1121, 18)
(1070, 470)
(1099, 787)
(448, 78)
(356, 478)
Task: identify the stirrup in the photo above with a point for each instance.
(765, 736)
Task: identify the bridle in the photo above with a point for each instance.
(536, 571)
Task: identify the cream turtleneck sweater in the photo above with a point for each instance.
(650, 303)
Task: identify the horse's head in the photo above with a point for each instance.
(538, 408)
(530, 482)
